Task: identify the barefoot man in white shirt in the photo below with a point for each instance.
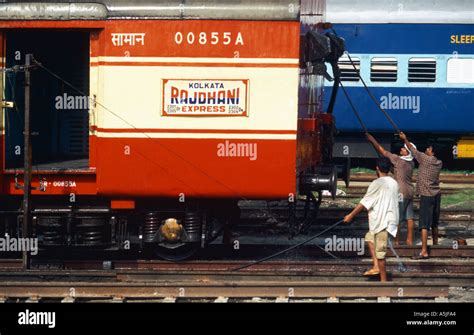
(381, 202)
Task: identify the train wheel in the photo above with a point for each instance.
(178, 254)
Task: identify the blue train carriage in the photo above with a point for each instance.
(417, 57)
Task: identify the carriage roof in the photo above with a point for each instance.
(167, 9)
(400, 11)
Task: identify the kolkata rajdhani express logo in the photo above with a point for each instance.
(213, 97)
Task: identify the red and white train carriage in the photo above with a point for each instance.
(192, 106)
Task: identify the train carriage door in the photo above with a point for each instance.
(4, 104)
(59, 112)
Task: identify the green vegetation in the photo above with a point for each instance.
(361, 170)
(354, 201)
(450, 172)
(443, 171)
(462, 199)
(464, 172)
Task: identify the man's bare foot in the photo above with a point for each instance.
(421, 255)
(409, 242)
(372, 272)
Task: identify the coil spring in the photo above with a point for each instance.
(151, 226)
(52, 230)
(193, 225)
(91, 231)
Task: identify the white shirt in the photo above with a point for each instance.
(381, 201)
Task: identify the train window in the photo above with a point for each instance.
(348, 73)
(422, 70)
(460, 71)
(383, 69)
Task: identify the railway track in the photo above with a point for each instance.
(287, 279)
(162, 281)
(247, 206)
(224, 257)
(252, 212)
(306, 274)
(450, 184)
(359, 192)
(456, 225)
(220, 291)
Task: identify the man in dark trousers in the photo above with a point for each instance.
(381, 202)
(403, 171)
(427, 186)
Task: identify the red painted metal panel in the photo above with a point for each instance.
(122, 204)
(56, 184)
(2, 162)
(195, 131)
(201, 38)
(2, 120)
(196, 64)
(169, 167)
(92, 151)
(313, 135)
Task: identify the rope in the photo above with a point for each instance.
(341, 261)
(287, 249)
(146, 135)
(353, 108)
(369, 92)
(372, 96)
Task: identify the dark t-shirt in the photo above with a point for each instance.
(427, 182)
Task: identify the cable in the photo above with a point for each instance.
(84, 94)
(343, 262)
(287, 249)
(110, 111)
(368, 90)
(372, 96)
(353, 108)
(356, 113)
(131, 125)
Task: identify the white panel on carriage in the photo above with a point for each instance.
(400, 11)
(460, 71)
